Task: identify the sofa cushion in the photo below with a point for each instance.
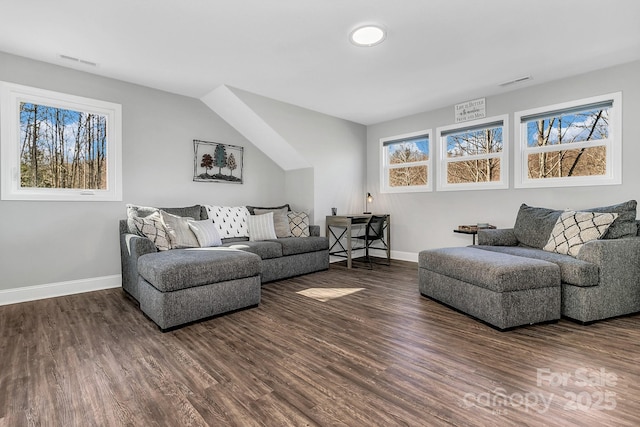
(265, 249)
(153, 229)
(573, 271)
(144, 211)
(280, 220)
(206, 233)
(299, 224)
(231, 221)
(185, 268)
(301, 245)
(625, 225)
(252, 209)
(180, 235)
(533, 225)
(574, 229)
(498, 272)
(261, 227)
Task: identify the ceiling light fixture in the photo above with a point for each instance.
(368, 35)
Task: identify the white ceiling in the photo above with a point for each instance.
(437, 52)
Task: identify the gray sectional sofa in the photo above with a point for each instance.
(179, 286)
(600, 281)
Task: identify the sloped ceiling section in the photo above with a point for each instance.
(246, 121)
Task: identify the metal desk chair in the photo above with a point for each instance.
(374, 232)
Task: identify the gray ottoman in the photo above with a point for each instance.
(185, 285)
(500, 289)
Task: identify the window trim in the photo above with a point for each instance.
(613, 145)
(11, 95)
(443, 161)
(385, 166)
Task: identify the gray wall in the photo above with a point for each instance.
(426, 220)
(334, 147)
(50, 242)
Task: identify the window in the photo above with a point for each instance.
(56, 146)
(572, 144)
(406, 163)
(474, 156)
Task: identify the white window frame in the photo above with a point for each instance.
(613, 144)
(385, 166)
(443, 185)
(11, 95)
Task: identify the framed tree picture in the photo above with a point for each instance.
(215, 162)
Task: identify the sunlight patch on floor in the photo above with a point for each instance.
(326, 294)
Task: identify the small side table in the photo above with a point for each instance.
(472, 229)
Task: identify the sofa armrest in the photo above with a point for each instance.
(132, 247)
(497, 237)
(618, 256)
(314, 230)
(618, 289)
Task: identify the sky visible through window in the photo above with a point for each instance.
(419, 147)
(475, 142)
(587, 125)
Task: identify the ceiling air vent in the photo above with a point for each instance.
(514, 81)
(78, 60)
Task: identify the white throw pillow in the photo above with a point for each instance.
(299, 224)
(574, 229)
(231, 221)
(206, 232)
(261, 227)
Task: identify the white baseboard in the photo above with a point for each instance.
(404, 256)
(52, 290)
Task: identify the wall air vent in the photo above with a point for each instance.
(514, 81)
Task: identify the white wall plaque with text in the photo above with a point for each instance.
(470, 110)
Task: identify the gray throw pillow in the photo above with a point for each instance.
(251, 209)
(186, 212)
(533, 225)
(180, 235)
(280, 220)
(625, 225)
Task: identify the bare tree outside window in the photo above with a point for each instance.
(474, 155)
(407, 153)
(62, 148)
(573, 143)
(470, 155)
(555, 136)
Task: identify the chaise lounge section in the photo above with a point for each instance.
(599, 277)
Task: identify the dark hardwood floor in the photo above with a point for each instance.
(383, 355)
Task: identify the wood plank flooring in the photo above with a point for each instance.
(381, 356)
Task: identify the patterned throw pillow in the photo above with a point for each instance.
(299, 224)
(574, 229)
(135, 211)
(231, 221)
(280, 220)
(180, 235)
(153, 229)
(206, 232)
(261, 227)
